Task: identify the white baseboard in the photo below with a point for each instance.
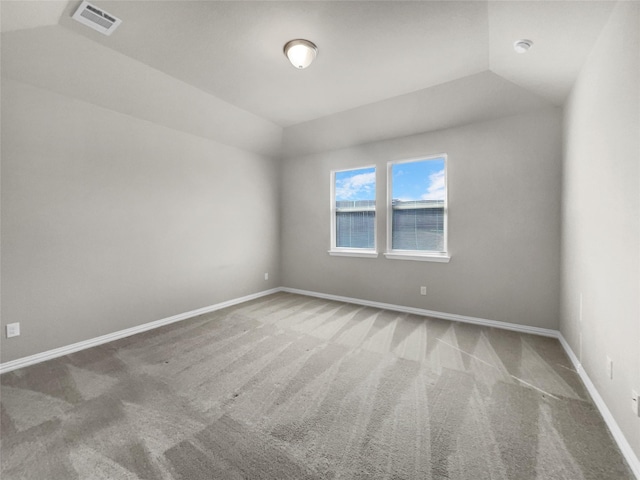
(621, 440)
(545, 332)
(92, 342)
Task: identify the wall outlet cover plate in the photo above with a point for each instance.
(13, 330)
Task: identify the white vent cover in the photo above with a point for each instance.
(96, 18)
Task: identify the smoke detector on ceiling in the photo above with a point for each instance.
(96, 18)
(522, 46)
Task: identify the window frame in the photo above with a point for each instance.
(334, 250)
(417, 255)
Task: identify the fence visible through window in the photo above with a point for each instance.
(417, 206)
(353, 222)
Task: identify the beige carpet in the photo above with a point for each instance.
(293, 387)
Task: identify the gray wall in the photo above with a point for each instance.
(504, 223)
(64, 62)
(601, 215)
(476, 98)
(110, 221)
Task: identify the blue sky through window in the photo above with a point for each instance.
(419, 180)
(357, 184)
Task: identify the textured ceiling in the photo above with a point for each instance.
(368, 51)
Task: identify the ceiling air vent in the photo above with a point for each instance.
(96, 18)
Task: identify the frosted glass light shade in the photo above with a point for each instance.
(300, 52)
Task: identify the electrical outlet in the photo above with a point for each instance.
(13, 330)
(610, 368)
(635, 402)
(423, 290)
(266, 276)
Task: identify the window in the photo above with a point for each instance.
(353, 212)
(417, 209)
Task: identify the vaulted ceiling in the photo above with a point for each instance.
(370, 52)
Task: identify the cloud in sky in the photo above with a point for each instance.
(357, 187)
(436, 189)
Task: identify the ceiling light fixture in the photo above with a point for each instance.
(522, 46)
(300, 52)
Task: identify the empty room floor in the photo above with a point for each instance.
(296, 387)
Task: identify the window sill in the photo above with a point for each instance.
(354, 253)
(419, 257)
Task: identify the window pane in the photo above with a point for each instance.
(355, 201)
(418, 205)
